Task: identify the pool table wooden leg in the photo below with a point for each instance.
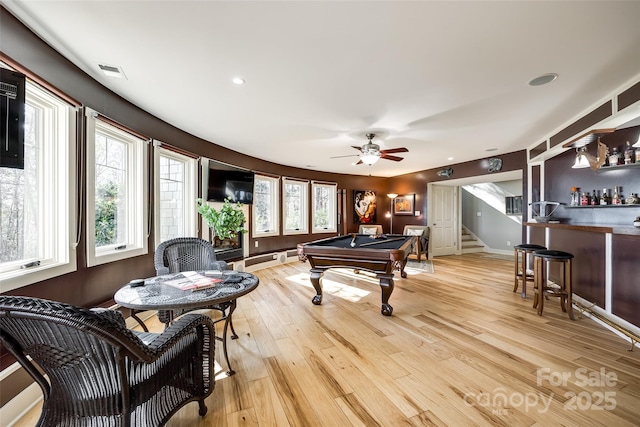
(399, 265)
(386, 286)
(316, 277)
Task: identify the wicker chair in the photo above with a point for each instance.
(192, 254)
(98, 372)
(186, 254)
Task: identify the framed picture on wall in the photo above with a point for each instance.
(364, 206)
(404, 205)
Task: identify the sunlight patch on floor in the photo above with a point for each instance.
(337, 289)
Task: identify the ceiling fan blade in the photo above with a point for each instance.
(388, 157)
(395, 150)
(360, 162)
(357, 148)
(349, 155)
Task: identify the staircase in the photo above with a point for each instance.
(470, 243)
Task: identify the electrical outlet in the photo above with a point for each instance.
(256, 243)
(508, 242)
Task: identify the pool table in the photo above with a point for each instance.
(378, 254)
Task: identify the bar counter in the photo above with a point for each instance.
(606, 267)
(629, 230)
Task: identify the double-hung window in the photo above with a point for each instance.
(265, 206)
(37, 203)
(295, 202)
(117, 193)
(175, 194)
(324, 213)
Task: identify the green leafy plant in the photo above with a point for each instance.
(225, 223)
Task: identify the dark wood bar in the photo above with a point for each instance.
(598, 249)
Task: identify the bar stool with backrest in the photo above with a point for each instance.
(521, 253)
(541, 287)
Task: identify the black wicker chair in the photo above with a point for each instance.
(192, 254)
(98, 372)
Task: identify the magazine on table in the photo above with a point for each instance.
(191, 281)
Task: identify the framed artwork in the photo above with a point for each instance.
(364, 206)
(404, 205)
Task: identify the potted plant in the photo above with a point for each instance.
(225, 223)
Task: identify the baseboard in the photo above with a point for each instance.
(18, 407)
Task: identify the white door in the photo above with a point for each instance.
(443, 240)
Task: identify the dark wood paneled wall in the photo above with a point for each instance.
(588, 249)
(625, 290)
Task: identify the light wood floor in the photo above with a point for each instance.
(461, 349)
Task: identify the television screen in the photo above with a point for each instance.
(229, 182)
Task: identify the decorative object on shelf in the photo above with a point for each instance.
(636, 222)
(632, 199)
(584, 159)
(495, 165)
(445, 173)
(543, 210)
(225, 223)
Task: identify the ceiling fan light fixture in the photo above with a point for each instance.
(370, 158)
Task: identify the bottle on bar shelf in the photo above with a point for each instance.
(604, 198)
(594, 198)
(616, 200)
(575, 196)
(584, 199)
(614, 157)
(629, 154)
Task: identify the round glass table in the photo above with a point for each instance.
(165, 293)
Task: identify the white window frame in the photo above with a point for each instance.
(333, 208)
(189, 189)
(137, 194)
(57, 204)
(275, 196)
(304, 202)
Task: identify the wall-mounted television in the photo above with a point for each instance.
(230, 182)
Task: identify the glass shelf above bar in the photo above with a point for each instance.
(602, 206)
(618, 167)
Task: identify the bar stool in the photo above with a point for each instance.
(520, 254)
(541, 259)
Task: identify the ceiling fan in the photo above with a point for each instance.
(371, 152)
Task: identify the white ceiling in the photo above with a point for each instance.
(444, 79)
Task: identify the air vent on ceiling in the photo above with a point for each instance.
(112, 71)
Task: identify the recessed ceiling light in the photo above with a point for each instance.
(543, 79)
(449, 158)
(238, 81)
(491, 149)
(112, 71)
